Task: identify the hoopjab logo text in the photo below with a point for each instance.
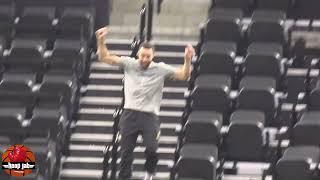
(18, 160)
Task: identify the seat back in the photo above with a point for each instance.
(258, 99)
(219, 29)
(211, 99)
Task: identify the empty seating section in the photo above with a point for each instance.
(254, 94)
(254, 97)
(45, 47)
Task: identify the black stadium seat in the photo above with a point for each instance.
(211, 99)
(26, 55)
(68, 57)
(248, 146)
(296, 84)
(263, 61)
(258, 100)
(80, 14)
(204, 157)
(44, 47)
(36, 21)
(14, 107)
(298, 163)
(76, 24)
(267, 26)
(224, 27)
(49, 118)
(216, 64)
(62, 87)
(217, 58)
(203, 127)
(307, 129)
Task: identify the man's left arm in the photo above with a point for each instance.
(183, 73)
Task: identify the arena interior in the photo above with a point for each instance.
(249, 111)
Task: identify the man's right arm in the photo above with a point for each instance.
(102, 50)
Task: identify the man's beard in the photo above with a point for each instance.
(144, 65)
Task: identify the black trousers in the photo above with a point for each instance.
(132, 123)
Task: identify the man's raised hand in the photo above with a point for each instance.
(101, 33)
(189, 52)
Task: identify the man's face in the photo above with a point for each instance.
(145, 57)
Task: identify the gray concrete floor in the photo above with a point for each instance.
(178, 20)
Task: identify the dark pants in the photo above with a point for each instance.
(132, 123)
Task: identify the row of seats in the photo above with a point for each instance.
(265, 26)
(220, 125)
(294, 8)
(262, 68)
(42, 21)
(53, 7)
(39, 112)
(297, 162)
(44, 112)
(262, 65)
(44, 52)
(204, 143)
(30, 56)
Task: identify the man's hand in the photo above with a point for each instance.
(102, 50)
(100, 34)
(189, 52)
(184, 72)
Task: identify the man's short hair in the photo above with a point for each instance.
(147, 45)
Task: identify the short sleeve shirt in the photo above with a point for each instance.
(143, 87)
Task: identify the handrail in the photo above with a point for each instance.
(150, 20)
(142, 21)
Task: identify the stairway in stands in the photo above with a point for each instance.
(93, 130)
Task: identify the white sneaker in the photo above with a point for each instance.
(148, 176)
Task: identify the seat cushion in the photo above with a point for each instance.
(11, 115)
(46, 114)
(213, 81)
(248, 116)
(258, 82)
(270, 49)
(193, 151)
(20, 78)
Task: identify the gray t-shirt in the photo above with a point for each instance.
(143, 87)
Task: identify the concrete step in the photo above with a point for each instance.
(173, 33)
(160, 45)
